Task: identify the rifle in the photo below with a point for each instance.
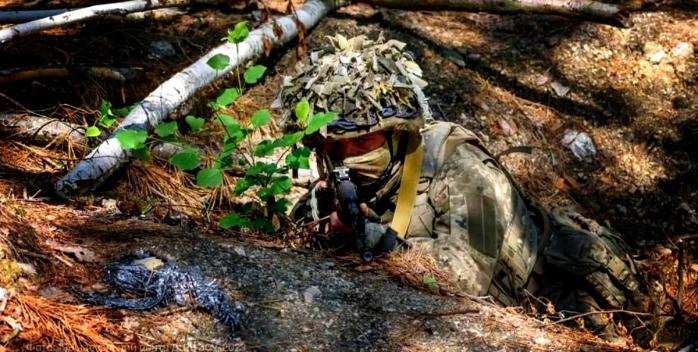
(349, 211)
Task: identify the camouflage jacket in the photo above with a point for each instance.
(468, 215)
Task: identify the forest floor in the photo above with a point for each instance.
(514, 80)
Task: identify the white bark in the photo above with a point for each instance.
(12, 17)
(38, 129)
(125, 7)
(109, 156)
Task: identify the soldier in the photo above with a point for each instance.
(433, 185)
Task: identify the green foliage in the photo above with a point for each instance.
(195, 123)
(233, 220)
(254, 73)
(131, 139)
(187, 159)
(239, 33)
(319, 120)
(226, 97)
(260, 118)
(218, 62)
(430, 282)
(298, 158)
(302, 110)
(92, 132)
(166, 129)
(106, 115)
(265, 182)
(210, 177)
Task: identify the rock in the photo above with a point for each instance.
(152, 263)
(580, 143)
(311, 293)
(239, 250)
(682, 49)
(541, 340)
(161, 49)
(559, 89)
(654, 52)
(27, 268)
(542, 79)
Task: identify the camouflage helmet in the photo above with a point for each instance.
(373, 85)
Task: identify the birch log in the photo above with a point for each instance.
(40, 130)
(583, 9)
(124, 7)
(12, 17)
(109, 156)
(28, 15)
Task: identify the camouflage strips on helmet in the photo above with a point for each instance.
(373, 85)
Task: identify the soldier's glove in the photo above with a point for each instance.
(381, 238)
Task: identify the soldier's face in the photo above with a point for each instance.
(346, 148)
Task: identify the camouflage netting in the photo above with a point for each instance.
(373, 85)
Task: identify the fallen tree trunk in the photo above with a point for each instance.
(109, 155)
(39, 130)
(112, 73)
(28, 15)
(125, 7)
(584, 9)
(12, 17)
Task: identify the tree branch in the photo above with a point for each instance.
(109, 155)
(77, 15)
(583, 9)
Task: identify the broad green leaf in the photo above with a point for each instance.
(239, 33)
(105, 108)
(125, 110)
(256, 169)
(195, 123)
(227, 96)
(302, 110)
(280, 206)
(209, 177)
(241, 185)
(142, 153)
(260, 118)
(318, 120)
(218, 61)
(234, 132)
(289, 139)
(131, 139)
(280, 185)
(92, 132)
(299, 158)
(254, 73)
(106, 116)
(233, 220)
(187, 159)
(166, 129)
(107, 122)
(264, 148)
(227, 120)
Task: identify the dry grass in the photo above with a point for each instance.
(25, 158)
(73, 327)
(175, 189)
(417, 268)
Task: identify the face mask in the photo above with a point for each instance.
(369, 167)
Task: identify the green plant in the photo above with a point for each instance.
(106, 118)
(262, 177)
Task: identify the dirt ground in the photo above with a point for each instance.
(515, 80)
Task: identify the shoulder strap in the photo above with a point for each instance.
(408, 187)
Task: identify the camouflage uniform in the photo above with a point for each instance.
(468, 212)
